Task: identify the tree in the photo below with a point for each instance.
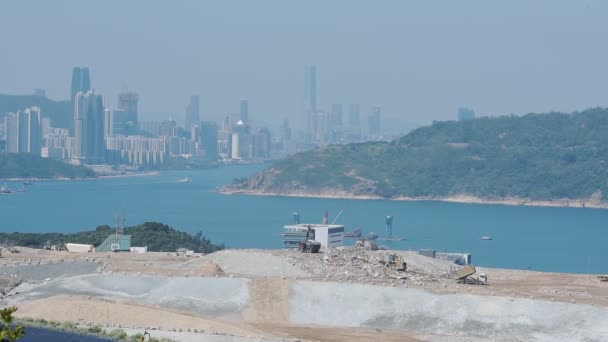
(9, 332)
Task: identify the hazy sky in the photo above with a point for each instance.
(419, 60)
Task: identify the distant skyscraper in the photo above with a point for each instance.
(24, 131)
(81, 81)
(127, 101)
(465, 114)
(244, 114)
(168, 129)
(209, 132)
(311, 88)
(192, 112)
(89, 128)
(310, 107)
(116, 123)
(285, 131)
(335, 118)
(354, 123)
(354, 115)
(374, 122)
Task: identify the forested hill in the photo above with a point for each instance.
(24, 165)
(158, 237)
(538, 157)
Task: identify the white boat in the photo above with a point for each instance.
(5, 190)
(486, 238)
(185, 180)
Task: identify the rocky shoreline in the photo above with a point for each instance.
(464, 198)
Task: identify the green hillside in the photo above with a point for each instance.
(535, 156)
(60, 112)
(157, 236)
(30, 166)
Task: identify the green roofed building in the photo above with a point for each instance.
(115, 243)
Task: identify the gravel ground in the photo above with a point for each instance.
(197, 337)
(332, 290)
(212, 297)
(37, 273)
(483, 317)
(254, 263)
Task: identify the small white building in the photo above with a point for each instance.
(328, 235)
(138, 249)
(79, 248)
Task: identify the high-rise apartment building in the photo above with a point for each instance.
(335, 117)
(310, 106)
(81, 82)
(137, 151)
(127, 101)
(23, 131)
(244, 113)
(117, 123)
(209, 132)
(192, 112)
(354, 115)
(57, 144)
(89, 145)
(465, 114)
(374, 122)
(354, 123)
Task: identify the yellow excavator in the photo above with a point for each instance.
(398, 262)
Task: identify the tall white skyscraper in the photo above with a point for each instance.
(89, 146)
(24, 131)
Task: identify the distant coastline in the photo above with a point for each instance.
(132, 174)
(464, 198)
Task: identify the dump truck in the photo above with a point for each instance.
(464, 276)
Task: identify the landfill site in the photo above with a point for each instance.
(337, 294)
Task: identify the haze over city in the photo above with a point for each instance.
(272, 170)
(419, 61)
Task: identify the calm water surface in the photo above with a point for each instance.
(548, 239)
(33, 334)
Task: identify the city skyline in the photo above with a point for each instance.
(510, 57)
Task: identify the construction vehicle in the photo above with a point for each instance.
(308, 245)
(603, 277)
(464, 276)
(397, 261)
(366, 245)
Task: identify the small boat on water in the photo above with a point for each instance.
(185, 180)
(486, 238)
(27, 183)
(5, 190)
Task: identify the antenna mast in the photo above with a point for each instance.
(389, 226)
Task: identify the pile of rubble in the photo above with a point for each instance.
(356, 265)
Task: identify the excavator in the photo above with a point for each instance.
(309, 246)
(397, 262)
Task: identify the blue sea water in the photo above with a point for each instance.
(537, 238)
(34, 334)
